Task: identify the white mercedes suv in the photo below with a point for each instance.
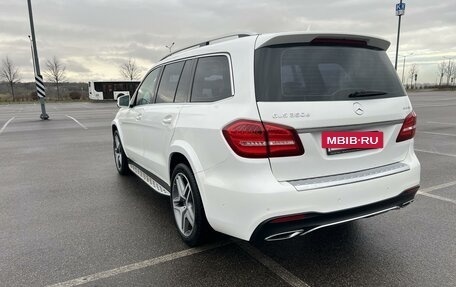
(271, 136)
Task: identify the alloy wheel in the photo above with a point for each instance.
(117, 152)
(183, 204)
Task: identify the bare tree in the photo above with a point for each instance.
(441, 68)
(170, 47)
(10, 73)
(130, 70)
(450, 71)
(55, 72)
(412, 72)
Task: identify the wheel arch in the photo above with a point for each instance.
(182, 152)
(114, 127)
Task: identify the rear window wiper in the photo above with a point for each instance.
(359, 94)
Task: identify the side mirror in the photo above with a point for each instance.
(123, 101)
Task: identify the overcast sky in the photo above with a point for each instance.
(93, 37)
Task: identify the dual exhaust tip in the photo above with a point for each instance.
(284, 235)
(301, 232)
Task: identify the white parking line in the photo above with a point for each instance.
(432, 106)
(438, 197)
(437, 187)
(437, 134)
(434, 152)
(435, 100)
(426, 191)
(81, 112)
(138, 265)
(6, 124)
(442, 123)
(272, 265)
(83, 126)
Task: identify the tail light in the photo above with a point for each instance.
(253, 139)
(408, 128)
(247, 138)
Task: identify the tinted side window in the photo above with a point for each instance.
(146, 91)
(185, 82)
(212, 80)
(168, 83)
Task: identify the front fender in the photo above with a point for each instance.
(115, 123)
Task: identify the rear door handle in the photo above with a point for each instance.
(138, 117)
(167, 120)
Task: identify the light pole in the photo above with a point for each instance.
(38, 77)
(400, 10)
(33, 56)
(403, 66)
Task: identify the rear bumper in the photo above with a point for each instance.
(240, 196)
(273, 231)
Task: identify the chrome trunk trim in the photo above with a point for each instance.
(348, 178)
(350, 127)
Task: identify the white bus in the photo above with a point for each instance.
(111, 90)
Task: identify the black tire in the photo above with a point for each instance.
(120, 158)
(201, 231)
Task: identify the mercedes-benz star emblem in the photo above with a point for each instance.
(358, 109)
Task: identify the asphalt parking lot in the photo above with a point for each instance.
(67, 218)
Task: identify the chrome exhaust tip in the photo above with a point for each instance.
(284, 235)
(406, 203)
(308, 227)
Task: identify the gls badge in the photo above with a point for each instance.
(290, 115)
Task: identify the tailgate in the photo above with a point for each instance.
(311, 118)
(331, 85)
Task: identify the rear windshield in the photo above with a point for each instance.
(323, 73)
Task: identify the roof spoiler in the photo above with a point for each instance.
(321, 39)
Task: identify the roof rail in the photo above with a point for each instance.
(208, 42)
